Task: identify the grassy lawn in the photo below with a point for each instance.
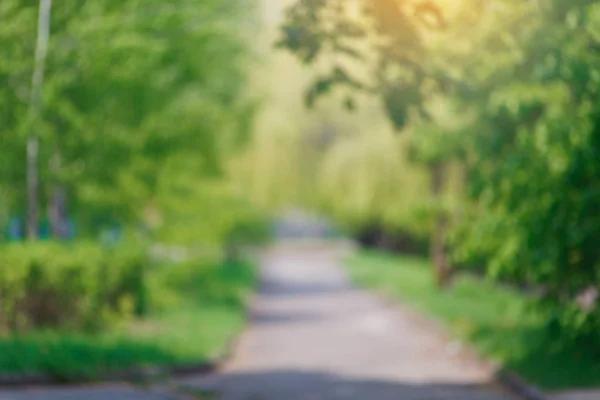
(197, 328)
(498, 322)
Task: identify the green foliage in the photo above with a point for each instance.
(225, 284)
(367, 181)
(254, 230)
(144, 104)
(69, 286)
(192, 211)
(507, 92)
(534, 172)
(193, 309)
(189, 335)
(384, 36)
(127, 88)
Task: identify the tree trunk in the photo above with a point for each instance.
(438, 254)
(57, 206)
(33, 144)
(32, 188)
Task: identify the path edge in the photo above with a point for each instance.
(134, 375)
(512, 382)
(129, 375)
(519, 385)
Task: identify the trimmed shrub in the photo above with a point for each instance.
(69, 286)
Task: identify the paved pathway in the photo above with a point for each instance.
(578, 395)
(315, 337)
(109, 392)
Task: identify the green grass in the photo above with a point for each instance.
(207, 315)
(498, 322)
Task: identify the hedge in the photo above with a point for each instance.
(69, 286)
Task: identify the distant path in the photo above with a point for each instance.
(313, 336)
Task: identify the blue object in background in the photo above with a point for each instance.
(16, 230)
(70, 230)
(44, 231)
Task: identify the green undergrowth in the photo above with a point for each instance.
(197, 311)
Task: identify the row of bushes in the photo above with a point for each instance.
(86, 287)
(73, 311)
(89, 286)
(72, 286)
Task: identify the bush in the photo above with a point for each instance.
(202, 282)
(195, 308)
(69, 286)
(250, 231)
(378, 237)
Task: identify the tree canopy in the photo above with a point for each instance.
(503, 89)
(130, 87)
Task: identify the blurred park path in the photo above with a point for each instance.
(313, 336)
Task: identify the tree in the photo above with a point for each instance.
(534, 167)
(41, 51)
(127, 87)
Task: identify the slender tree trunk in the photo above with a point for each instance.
(32, 188)
(438, 253)
(57, 206)
(33, 144)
